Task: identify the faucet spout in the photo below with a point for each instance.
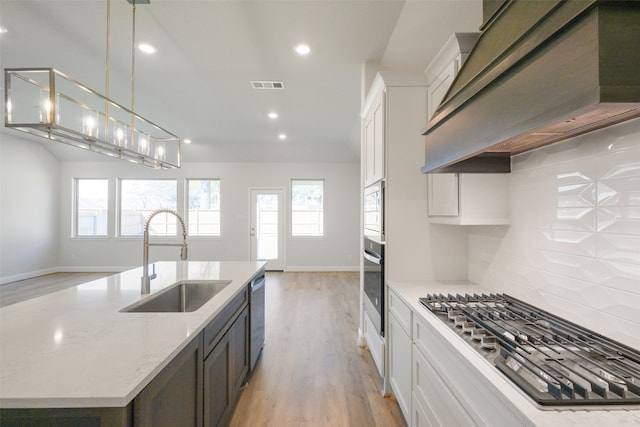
(145, 285)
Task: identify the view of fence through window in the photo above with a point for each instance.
(139, 198)
(204, 207)
(92, 207)
(307, 208)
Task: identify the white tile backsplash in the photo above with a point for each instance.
(573, 246)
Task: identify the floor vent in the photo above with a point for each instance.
(267, 84)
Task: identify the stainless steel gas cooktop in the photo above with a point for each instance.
(556, 362)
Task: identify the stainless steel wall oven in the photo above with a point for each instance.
(374, 282)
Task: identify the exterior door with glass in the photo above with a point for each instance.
(267, 227)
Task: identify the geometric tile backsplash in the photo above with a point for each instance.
(573, 246)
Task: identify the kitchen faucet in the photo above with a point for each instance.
(145, 286)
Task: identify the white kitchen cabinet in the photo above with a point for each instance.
(449, 390)
(468, 198)
(388, 121)
(445, 66)
(374, 141)
(419, 416)
(375, 343)
(463, 199)
(399, 338)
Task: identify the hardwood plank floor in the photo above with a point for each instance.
(312, 372)
(22, 290)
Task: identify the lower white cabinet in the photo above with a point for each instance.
(433, 382)
(419, 416)
(400, 365)
(375, 343)
(439, 405)
(399, 341)
(450, 390)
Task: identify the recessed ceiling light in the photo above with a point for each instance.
(147, 48)
(282, 136)
(3, 30)
(302, 49)
(186, 141)
(273, 115)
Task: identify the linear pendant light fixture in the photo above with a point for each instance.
(52, 105)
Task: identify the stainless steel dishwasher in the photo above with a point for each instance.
(256, 318)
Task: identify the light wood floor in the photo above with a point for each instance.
(22, 290)
(312, 372)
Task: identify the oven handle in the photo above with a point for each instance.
(375, 260)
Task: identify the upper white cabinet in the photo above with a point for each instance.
(463, 199)
(468, 198)
(445, 66)
(374, 141)
(389, 123)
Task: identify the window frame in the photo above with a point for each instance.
(186, 207)
(291, 211)
(76, 206)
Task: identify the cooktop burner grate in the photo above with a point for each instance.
(556, 362)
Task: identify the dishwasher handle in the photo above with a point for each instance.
(258, 283)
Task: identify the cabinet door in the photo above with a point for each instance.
(374, 141)
(442, 194)
(438, 89)
(369, 152)
(225, 371)
(239, 343)
(174, 397)
(419, 415)
(440, 405)
(378, 140)
(400, 365)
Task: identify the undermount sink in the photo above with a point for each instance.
(179, 298)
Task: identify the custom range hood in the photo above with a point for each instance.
(542, 71)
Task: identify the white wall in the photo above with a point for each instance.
(338, 250)
(574, 243)
(28, 209)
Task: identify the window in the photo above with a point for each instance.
(307, 217)
(92, 207)
(139, 198)
(204, 207)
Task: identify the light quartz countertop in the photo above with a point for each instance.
(74, 348)
(411, 291)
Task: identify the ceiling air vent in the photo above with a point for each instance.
(267, 84)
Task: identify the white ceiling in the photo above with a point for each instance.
(197, 84)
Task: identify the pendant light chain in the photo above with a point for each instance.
(133, 57)
(133, 69)
(107, 70)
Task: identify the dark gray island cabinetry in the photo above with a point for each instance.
(199, 386)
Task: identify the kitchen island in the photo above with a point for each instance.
(450, 383)
(75, 349)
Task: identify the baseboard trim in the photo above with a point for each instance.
(28, 275)
(103, 269)
(296, 269)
